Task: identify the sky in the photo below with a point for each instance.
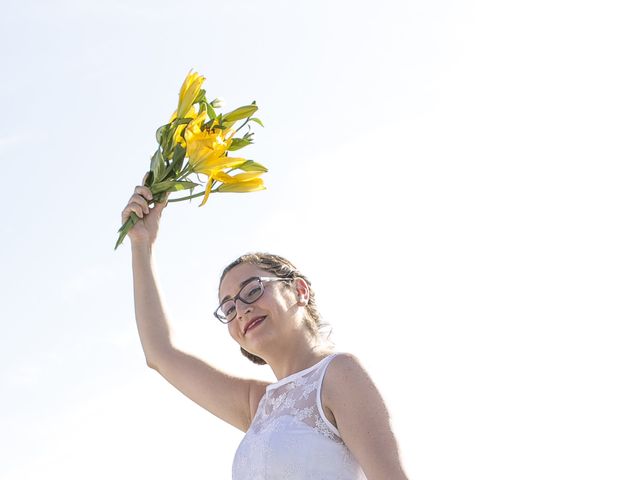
(457, 179)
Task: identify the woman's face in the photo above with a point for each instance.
(273, 313)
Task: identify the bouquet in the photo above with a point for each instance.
(198, 141)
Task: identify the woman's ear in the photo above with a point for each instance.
(301, 289)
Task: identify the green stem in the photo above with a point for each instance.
(186, 198)
(186, 172)
(194, 196)
(245, 122)
(124, 229)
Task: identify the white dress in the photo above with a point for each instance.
(290, 437)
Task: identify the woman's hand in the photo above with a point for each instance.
(146, 228)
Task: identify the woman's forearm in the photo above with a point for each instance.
(151, 319)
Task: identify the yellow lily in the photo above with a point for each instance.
(177, 135)
(242, 182)
(207, 149)
(239, 178)
(188, 93)
(194, 128)
(214, 169)
(252, 185)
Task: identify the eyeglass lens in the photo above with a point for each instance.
(249, 294)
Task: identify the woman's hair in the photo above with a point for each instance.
(283, 268)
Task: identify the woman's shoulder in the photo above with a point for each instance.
(336, 374)
(343, 370)
(343, 359)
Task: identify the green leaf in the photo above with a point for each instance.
(149, 179)
(240, 113)
(201, 96)
(257, 120)
(238, 143)
(172, 186)
(216, 103)
(160, 132)
(168, 135)
(178, 159)
(179, 153)
(124, 229)
(181, 120)
(210, 111)
(251, 166)
(157, 164)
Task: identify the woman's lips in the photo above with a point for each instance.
(255, 323)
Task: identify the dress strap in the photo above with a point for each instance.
(323, 370)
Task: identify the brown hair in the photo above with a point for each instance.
(283, 268)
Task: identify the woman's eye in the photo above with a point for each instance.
(254, 291)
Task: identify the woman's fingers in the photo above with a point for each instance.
(139, 201)
(142, 197)
(132, 207)
(144, 191)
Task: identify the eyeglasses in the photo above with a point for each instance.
(251, 291)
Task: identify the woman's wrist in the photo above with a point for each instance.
(141, 246)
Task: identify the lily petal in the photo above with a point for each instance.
(188, 92)
(207, 191)
(240, 187)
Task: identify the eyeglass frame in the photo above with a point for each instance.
(261, 280)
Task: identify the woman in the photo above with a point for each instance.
(323, 419)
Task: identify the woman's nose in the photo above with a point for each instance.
(242, 308)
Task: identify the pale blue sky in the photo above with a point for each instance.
(458, 180)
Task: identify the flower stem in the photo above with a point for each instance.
(196, 195)
(185, 173)
(245, 122)
(124, 229)
(186, 198)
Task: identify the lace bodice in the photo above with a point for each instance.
(290, 437)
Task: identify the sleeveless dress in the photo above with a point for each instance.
(290, 437)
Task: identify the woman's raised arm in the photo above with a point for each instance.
(230, 398)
